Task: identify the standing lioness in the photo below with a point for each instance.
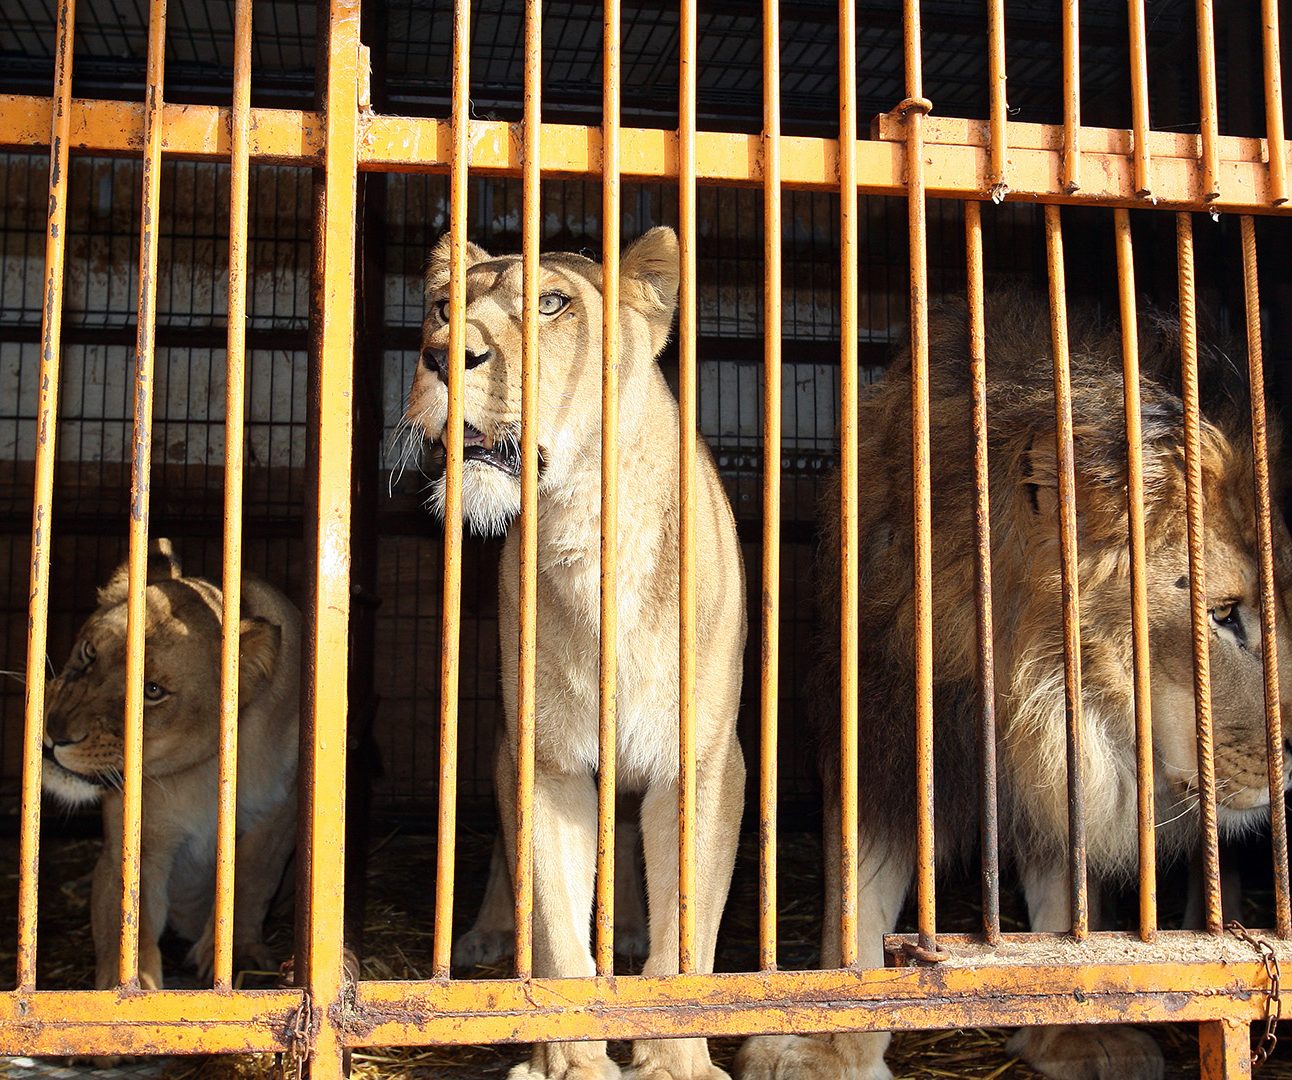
(569, 510)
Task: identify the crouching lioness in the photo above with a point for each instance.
(569, 511)
(84, 739)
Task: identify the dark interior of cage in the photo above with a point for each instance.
(397, 544)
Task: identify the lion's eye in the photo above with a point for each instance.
(87, 653)
(441, 309)
(552, 303)
(1225, 615)
(154, 691)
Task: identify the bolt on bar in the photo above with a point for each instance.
(1269, 602)
(768, 716)
(1198, 574)
(1068, 569)
(686, 470)
(848, 480)
(609, 678)
(1139, 96)
(1274, 102)
(43, 500)
(450, 656)
(1139, 584)
(531, 225)
(999, 107)
(1206, 32)
(914, 108)
(1071, 179)
(140, 462)
(989, 831)
(235, 385)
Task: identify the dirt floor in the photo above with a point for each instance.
(398, 945)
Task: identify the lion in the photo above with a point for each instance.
(569, 516)
(1031, 731)
(84, 748)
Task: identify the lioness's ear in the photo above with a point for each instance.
(259, 640)
(163, 565)
(437, 266)
(648, 279)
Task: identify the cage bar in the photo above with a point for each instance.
(1269, 601)
(1277, 147)
(1139, 583)
(1139, 96)
(1071, 180)
(42, 523)
(999, 106)
(1208, 109)
(235, 387)
(1198, 574)
(1224, 1050)
(1068, 571)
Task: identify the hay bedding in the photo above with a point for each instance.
(398, 946)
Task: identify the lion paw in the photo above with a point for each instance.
(1108, 1052)
(483, 948)
(796, 1057)
(708, 1071)
(551, 1063)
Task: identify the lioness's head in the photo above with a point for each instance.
(85, 704)
(569, 400)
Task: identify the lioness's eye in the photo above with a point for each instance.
(1225, 615)
(552, 303)
(154, 691)
(441, 308)
(87, 653)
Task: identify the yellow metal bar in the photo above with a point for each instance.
(609, 660)
(1225, 1050)
(235, 388)
(1269, 601)
(768, 714)
(1278, 153)
(451, 615)
(1139, 96)
(1139, 583)
(998, 175)
(848, 820)
(1198, 573)
(531, 195)
(1071, 97)
(1068, 573)
(686, 808)
(140, 462)
(1210, 112)
(42, 512)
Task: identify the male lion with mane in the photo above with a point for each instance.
(569, 526)
(1031, 729)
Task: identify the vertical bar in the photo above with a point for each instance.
(848, 480)
(1225, 1050)
(451, 615)
(1139, 96)
(1068, 569)
(43, 499)
(1207, 107)
(999, 107)
(768, 717)
(1139, 584)
(235, 384)
(609, 678)
(1198, 573)
(982, 578)
(1274, 102)
(141, 442)
(1269, 601)
(915, 108)
(1071, 97)
(328, 641)
(686, 472)
(525, 698)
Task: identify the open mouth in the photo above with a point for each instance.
(500, 453)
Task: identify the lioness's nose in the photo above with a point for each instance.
(438, 360)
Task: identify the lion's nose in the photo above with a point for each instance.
(437, 360)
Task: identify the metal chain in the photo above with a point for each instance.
(1273, 1002)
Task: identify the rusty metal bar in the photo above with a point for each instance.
(999, 107)
(1278, 153)
(989, 832)
(42, 512)
(1198, 573)
(848, 482)
(1208, 109)
(1139, 584)
(1071, 97)
(1139, 96)
(1224, 1050)
(1067, 508)
(609, 661)
(768, 736)
(140, 461)
(235, 390)
(451, 615)
(1269, 601)
(915, 107)
(531, 196)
